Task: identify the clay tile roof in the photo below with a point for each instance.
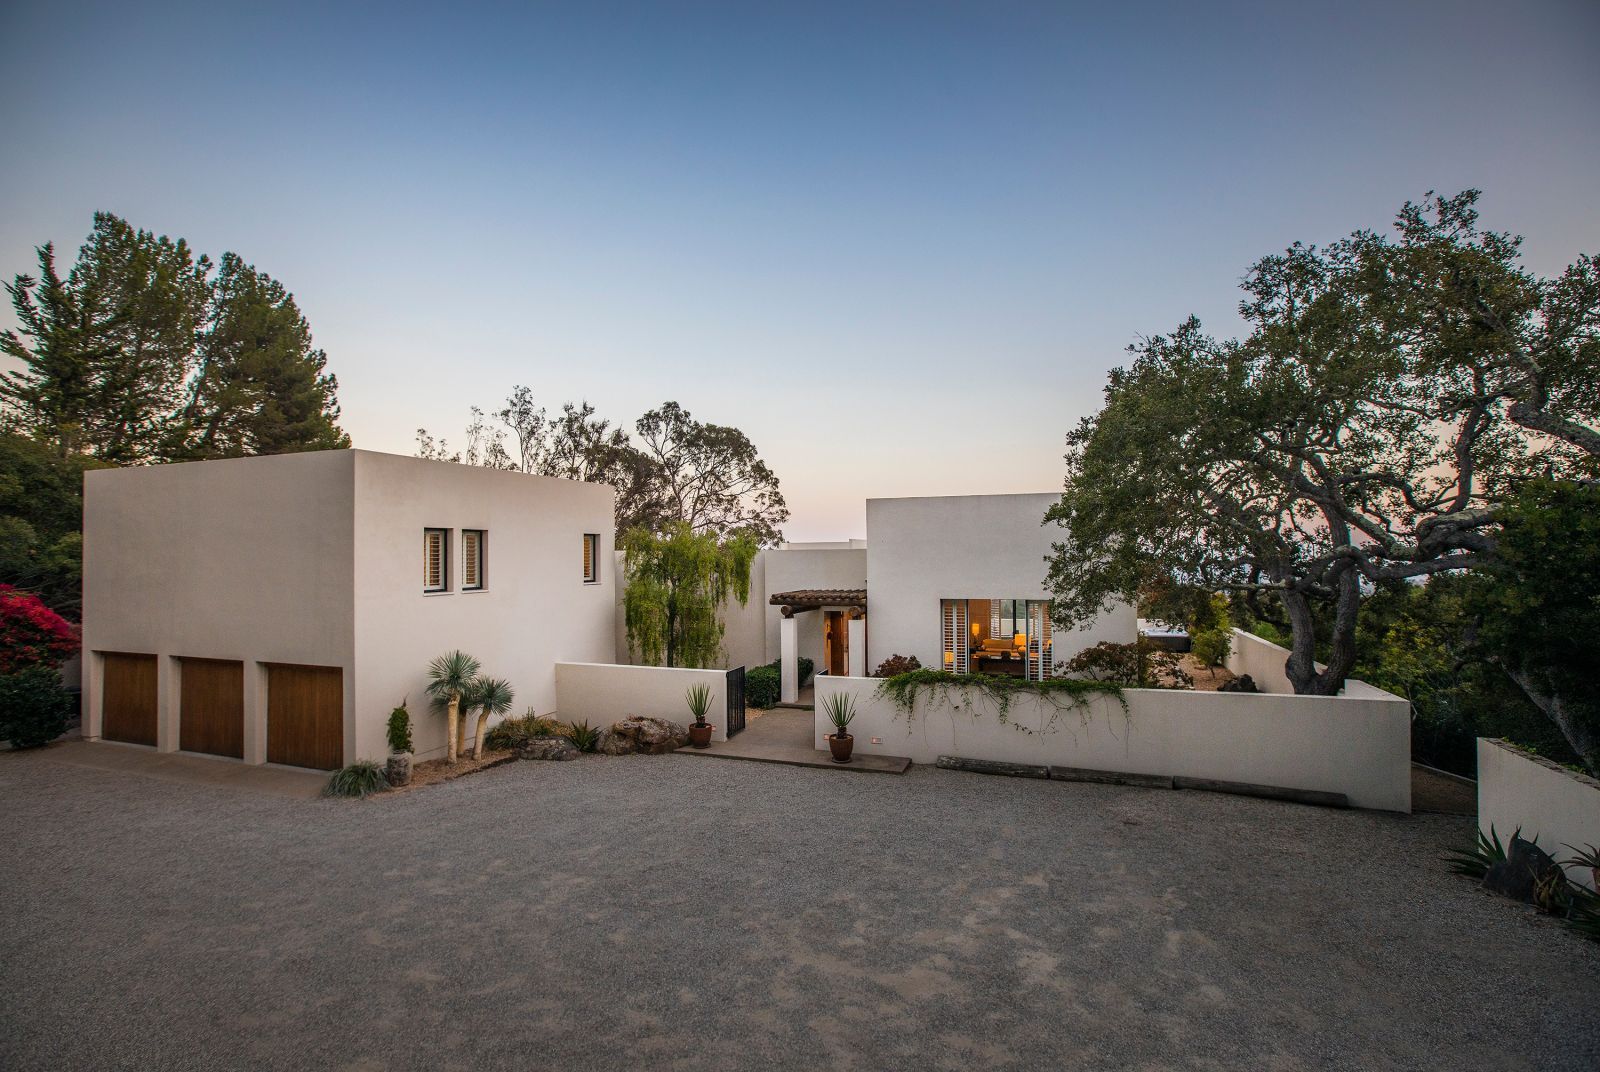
(821, 597)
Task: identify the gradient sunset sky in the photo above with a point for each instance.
(899, 245)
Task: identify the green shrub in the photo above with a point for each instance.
(584, 737)
(514, 731)
(762, 687)
(1211, 647)
(360, 779)
(33, 707)
(400, 729)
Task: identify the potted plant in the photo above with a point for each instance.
(841, 711)
(699, 698)
(398, 769)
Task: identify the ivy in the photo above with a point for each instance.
(955, 691)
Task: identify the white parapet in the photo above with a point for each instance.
(1520, 791)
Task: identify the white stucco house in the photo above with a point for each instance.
(956, 581)
(274, 609)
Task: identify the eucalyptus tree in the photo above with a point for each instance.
(1388, 397)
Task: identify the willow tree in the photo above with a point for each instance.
(677, 581)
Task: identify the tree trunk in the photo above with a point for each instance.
(1301, 666)
(461, 734)
(483, 724)
(452, 716)
(1582, 738)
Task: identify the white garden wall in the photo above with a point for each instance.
(603, 693)
(1261, 659)
(1358, 746)
(1558, 806)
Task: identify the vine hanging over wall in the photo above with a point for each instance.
(958, 691)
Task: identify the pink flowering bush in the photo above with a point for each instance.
(31, 634)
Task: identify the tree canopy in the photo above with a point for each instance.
(1392, 393)
(707, 476)
(676, 583)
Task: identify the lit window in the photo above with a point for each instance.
(435, 560)
(591, 558)
(474, 554)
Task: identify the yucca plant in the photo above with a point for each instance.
(360, 779)
(841, 711)
(584, 737)
(490, 696)
(699, 700)
(1488, 851)
(1589, 857)
(449, 677)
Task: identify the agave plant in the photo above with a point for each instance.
(449, 677)
(1488, 851)
(490, 696)
(360, 779)
(584, 737)
(699, 700)
(841, 711)
(1589, 857)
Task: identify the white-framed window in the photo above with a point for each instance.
(591, 558)
(436, 560)
(474, 560)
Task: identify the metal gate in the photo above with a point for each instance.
(735, 700)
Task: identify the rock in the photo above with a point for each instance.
(1526, 874)
(398, 769)
(1242, 683)
(557, 748)
(643, 734)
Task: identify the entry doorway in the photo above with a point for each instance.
(836, 642)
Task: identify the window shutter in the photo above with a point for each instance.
(1039, 640)
(955, 635)
(471, 559)
(432, 559)
(588, 557)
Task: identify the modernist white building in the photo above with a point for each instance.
(275, 609)
(956, 581)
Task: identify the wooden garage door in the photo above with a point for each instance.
(305, 716)
(211, 707)
(128, 704)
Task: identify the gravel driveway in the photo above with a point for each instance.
(691, 913)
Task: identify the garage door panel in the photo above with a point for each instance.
(211, 707)
(305, 716)
(128, 698)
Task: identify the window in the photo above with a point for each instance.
(435, 560)
(591, 558)
(474, 559)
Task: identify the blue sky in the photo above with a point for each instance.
(899, 245)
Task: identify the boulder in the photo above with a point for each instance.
(642, 734)
(1242, 683)
(1528, 873)
(557, 748)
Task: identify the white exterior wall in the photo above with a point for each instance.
(1261, 659)
(789, 569)
(1360, 747)
(247, 559)
(924, 550)
(1559, 807)
(604, 693)
(535, 611)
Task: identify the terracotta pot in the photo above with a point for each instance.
(700, 736)
(841, 744)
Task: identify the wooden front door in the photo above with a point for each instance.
(211, 707)
(305, 716)
(836, 642)
(128, 698)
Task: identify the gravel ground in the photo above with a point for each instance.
(689, 913)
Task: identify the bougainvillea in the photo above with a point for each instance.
(31, 634)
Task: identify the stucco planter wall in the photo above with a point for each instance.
(1358, 745)
(1546, 800)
